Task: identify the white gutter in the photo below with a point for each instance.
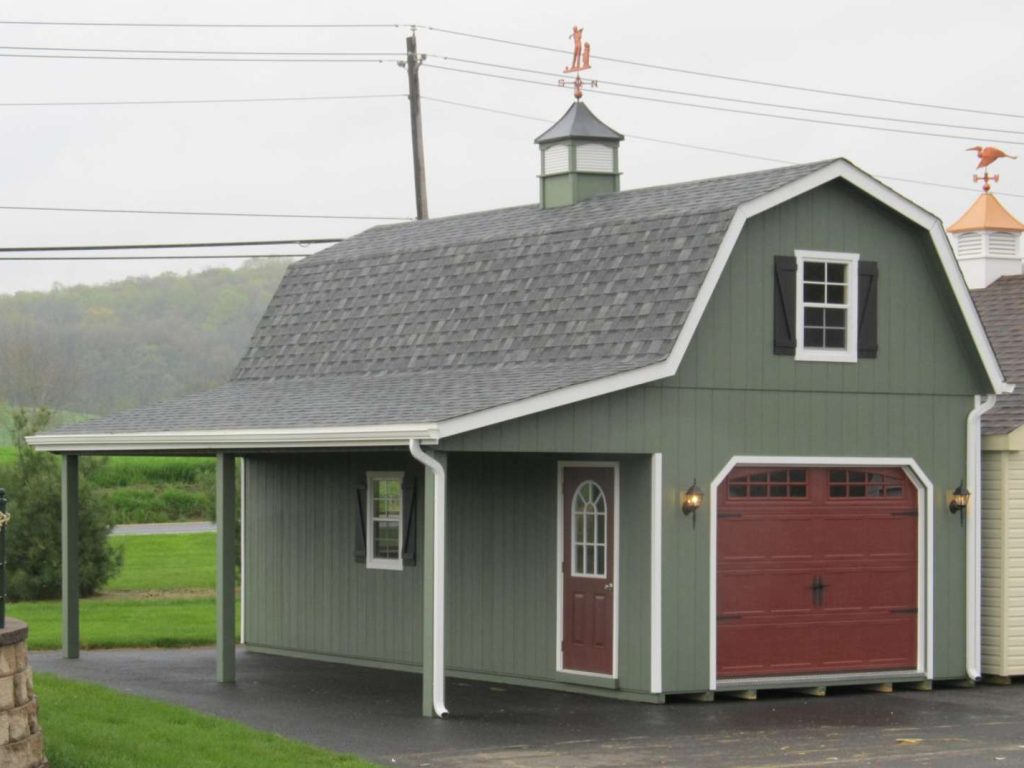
(237, 439)
(981, 407)
(438, 587)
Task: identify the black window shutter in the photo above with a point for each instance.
(360, 547)
(867, 309)
(785, 305)
(409, 538)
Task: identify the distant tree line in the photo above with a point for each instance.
(98, 349)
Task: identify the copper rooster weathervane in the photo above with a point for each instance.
(580, 62)
(987, 156)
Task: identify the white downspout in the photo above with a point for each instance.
(438, 546)
(981, 407)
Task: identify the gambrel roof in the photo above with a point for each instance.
(1001, 306)
(434, 327)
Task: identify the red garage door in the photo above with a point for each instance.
(817, 571)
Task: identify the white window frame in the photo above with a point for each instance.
(384, 563)
(573, 543)
(849, 354)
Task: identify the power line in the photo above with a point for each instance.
(731, 110)
(776, 160)
(146, 102)
(148, 246)
(752, 102)
(166, 25)
(632, 135)
(175, 51)
(202, 213)
(193, 59)
(747, 81)
(177, 257)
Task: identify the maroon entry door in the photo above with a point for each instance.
(588, 558)
(817, 571)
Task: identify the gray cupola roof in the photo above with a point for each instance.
(578, 123)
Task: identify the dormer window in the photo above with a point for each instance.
(826, 307)
(826, 320)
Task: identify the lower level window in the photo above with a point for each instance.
(385, 517)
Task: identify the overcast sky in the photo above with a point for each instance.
(352, 157)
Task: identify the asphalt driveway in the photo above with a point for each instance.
(375, 714)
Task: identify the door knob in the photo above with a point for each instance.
(609, 586)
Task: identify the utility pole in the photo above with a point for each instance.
(412, 65)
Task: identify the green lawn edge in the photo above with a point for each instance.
(89, 726)
(151, 623)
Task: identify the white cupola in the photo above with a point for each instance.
(987, 242)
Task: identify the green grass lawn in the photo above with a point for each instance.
(88, 726)
(163, 598)
(153, 623)
(166, 563)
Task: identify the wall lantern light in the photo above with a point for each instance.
(958, 503)
(691, 499)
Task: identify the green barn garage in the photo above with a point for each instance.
(468, 442)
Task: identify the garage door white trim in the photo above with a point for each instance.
(925, 564)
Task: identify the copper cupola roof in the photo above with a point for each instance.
(986, 213)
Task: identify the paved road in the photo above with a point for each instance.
(375, 713)
(150, 529)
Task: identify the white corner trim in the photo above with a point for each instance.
(973, 480)
(438, 545)
(238, 439)
(839, 169)
(656, 554)
(925, 551)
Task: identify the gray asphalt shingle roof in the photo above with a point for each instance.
(1001, 306)
(428, 320)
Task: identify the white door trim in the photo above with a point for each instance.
(925, 548)
(560, 582)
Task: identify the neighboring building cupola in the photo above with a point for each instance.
(987, 235)
(579, 155)
(579, 158)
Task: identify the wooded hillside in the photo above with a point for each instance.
(98, 349)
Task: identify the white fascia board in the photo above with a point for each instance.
(238, 439)
(838, 169)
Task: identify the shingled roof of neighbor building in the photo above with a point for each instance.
(425, 321)
(1001, 306)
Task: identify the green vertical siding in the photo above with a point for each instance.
(305, 592)
(304, 589)
(502, 561)
(732, 397)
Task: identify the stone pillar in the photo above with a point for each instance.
(21, 739)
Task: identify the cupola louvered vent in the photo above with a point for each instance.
(556, 159)
(1003, 244)
(969, 244)
(595, 158)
